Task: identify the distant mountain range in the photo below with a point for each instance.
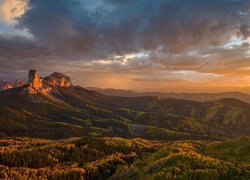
(200, 97)
(52, 107)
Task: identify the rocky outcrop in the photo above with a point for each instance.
(4, 85)
(33, 75)
(34, 80)
(48, 84)
(37, 84)
(58, 79)
(17, 83)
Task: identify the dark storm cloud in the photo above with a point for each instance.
(83, 30)
(134, 25)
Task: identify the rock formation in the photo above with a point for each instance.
(34, 82)
(32, 75)
(58, 79)
(17, 83)
(48, 84)
(4, 85)
(39, 85)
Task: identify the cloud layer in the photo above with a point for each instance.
(140, 42)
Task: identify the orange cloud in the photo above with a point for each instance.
(12, 9)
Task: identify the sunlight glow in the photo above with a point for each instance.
(126, 58)
(10, 10)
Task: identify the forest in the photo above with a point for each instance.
(119, 158)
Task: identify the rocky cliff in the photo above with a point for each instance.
(58, 79)
(38, 84)
(47, 84)
(35, 83)
(4, 85)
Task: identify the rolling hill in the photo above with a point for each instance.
(189, 160)
(53, 108)
(119, 158)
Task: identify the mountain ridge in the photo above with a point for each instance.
(67, 110)
(4, 85)
(200, 97)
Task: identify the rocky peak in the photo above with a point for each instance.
(34, 79)
(39, 85)
(4, 85)
(58, 79)
(48, 84)
(33, 75)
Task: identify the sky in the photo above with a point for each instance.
(144, 45)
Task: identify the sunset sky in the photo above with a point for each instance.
(146, 45)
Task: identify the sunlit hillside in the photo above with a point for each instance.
(118, 158)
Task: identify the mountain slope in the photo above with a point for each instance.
(75, 111)
(53, 108)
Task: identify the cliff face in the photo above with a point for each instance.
(37, 84)
(47, 84)
(34, 80)
(58, 79)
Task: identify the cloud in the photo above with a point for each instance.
(104, 27)
(139, 37)
(10, 10)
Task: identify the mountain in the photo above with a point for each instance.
(89, 135)
(52, 107)
(8, 85)
(200, 97)
(46, 85)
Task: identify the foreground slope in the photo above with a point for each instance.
(118, 158)
(75, 158)
(192, 160)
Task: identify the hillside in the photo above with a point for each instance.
(75, 111)
(53, 108)
(186, 160)
(236, 150)
(118, 158)
(74, 158)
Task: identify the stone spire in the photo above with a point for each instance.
(48, 84)
(34, 79)
(33, 75)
